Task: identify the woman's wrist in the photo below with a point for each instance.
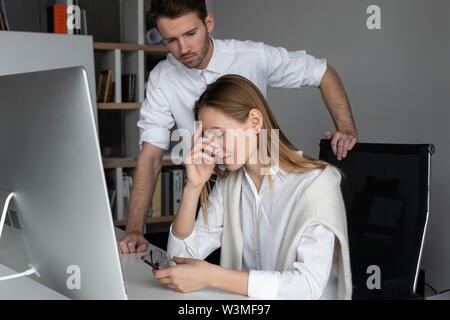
(227, 279)
(212, 275)
(193, 189)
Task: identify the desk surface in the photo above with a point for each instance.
(138, 276)
(141, 284)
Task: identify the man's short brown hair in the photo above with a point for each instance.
(176, 8)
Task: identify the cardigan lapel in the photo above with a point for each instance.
(232, 239)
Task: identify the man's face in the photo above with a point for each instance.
(187, 38)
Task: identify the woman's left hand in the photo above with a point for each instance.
(189, 275)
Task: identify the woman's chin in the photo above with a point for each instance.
(233, 167)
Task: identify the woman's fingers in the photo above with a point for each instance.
(166, 280)
(202, 143)
(197, 134)
(201, 157)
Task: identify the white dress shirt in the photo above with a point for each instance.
(264, 217)
(173, 89)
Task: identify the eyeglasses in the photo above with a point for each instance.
(156, 259)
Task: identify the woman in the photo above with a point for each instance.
(277, 215)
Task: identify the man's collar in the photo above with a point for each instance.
(213, 65)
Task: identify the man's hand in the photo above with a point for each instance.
(132, 242)
(189, 275)
(341, 143)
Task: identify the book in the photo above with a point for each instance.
(128, 87)
(99, 86)
(104, 86)
(83, 30)
(166, 199)
(3, 19)
(68, 4)
(111, 92)
(156, 201)
(59, 18)
(107, 86)
(2, 26)
(176, 187)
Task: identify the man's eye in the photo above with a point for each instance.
(191, 34)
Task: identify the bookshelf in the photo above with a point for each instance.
(125, 57)
(131, 164)
(159, 49)
(118, 106)
(123, 223)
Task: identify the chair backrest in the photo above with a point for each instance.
(386, 193)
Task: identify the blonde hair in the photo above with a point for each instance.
(235, 96)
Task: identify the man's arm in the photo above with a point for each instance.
(147, 171)
(336, 100)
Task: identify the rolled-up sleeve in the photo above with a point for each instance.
(204, 239)
(307, 278)
(292, 69)
(156, 117)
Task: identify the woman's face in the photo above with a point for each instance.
(237, 140)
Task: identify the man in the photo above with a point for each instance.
(196, 60)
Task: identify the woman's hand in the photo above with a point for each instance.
(200, 160)
(189, 275)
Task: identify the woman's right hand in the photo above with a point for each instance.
(199, 164)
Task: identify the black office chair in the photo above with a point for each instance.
(386, 193)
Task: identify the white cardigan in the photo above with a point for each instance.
(321, 203)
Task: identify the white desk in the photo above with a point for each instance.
(141, 284)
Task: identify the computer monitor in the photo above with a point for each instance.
(386, 193)
(50, 159)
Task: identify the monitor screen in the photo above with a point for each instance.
(50, 159)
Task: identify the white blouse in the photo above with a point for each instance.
(264, 217)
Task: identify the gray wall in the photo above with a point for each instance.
(396, 79)
(103, 17)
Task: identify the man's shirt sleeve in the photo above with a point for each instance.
(292, 69)
(156, 117)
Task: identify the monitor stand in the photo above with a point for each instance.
(6, 198)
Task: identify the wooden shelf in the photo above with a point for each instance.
(119, 106)
(130, 47)
(168, 163)
(123, 223)
(119, 164)
(130, 164)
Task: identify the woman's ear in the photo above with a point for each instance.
(256, 120)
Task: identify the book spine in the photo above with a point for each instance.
(60, 18)
(2, 26)
(177, 185)
(166, 193)
(83, 22)
(156, 201)
(107, 86)
(3, 18)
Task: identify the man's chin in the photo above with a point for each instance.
(192, 64)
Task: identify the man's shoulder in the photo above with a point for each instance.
(162, 69)
(235, 45)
